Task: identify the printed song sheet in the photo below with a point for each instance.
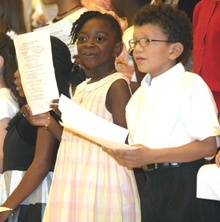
(61, 30)
(36, 69)
(87, 124)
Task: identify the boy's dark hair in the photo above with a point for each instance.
(86, 16)
(174, 23)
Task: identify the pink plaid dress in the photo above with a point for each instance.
(89, 185)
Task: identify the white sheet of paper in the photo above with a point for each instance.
(62, 31)
(35, 64)
(87, 124)
(208, 182)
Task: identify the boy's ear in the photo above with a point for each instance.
(118, 48)
(1, 61)
(176, 50)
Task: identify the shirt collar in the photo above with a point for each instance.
(164, 77)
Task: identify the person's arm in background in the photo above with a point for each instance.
(38, 17)
(3, 124)
(35, 173)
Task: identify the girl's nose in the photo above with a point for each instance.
(89, 42)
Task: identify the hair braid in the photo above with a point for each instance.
(77, 25)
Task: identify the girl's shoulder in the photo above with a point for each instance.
(115, 76)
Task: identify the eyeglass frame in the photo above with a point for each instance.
(148, 41)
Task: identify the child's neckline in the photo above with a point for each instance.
(98, 80)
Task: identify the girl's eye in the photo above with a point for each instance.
(100, 39)
(82, 39)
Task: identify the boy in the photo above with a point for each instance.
(172, 115)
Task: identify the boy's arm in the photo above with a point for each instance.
(186, 153)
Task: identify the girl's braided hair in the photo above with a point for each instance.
(86, 16)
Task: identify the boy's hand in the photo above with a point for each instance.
(134, 158)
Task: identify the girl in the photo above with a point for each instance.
(9, 106)
(30, 151)
(89, 185)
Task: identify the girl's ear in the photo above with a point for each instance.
(176, 50)
(1, 61)
(118, 49)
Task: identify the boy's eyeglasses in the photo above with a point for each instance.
(144, 42)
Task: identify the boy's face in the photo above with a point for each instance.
(154, 58)
(96, 43)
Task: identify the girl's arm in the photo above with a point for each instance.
(3, 124)
(117, 99)
(44, 120)
(35, 173)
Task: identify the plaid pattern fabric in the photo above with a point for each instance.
(88, 184)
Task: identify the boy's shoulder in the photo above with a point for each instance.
(192, 82)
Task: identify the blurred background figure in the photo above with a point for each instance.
(27, 10)
(67, 9)
(36, 14)
(206, 45)
(9, 106)
(106, 4)
(12, 17)
(127, 9)
(185, 5)
(42, 13)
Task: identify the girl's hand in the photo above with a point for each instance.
(79, 65)
(4, 215)
(54, 105)
(42, 119)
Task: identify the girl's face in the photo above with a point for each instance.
(18, 84)
(97, 44)
(154, 58)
